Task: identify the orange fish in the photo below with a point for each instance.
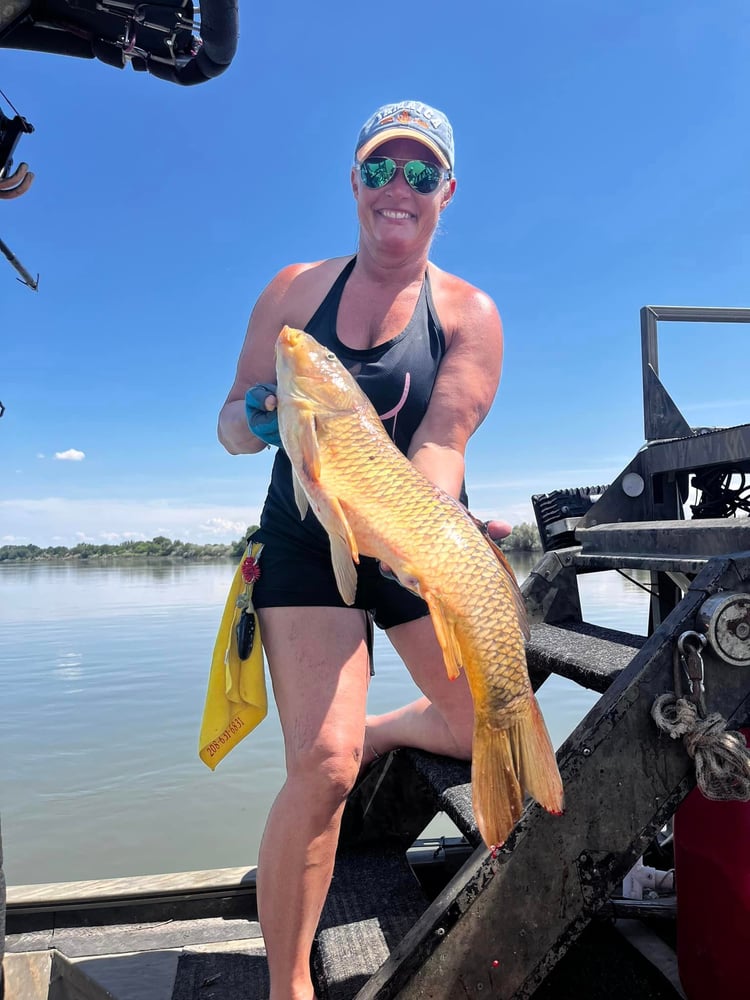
(371, 500)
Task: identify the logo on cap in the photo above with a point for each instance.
(405, 117)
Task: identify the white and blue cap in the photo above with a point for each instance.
(408, 120)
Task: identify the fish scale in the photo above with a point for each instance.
(397, 515)
(373, 501)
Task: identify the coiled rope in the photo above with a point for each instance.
(722, 759)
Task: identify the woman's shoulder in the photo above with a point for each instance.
(458, 301)
(302, 277)
(298, 289)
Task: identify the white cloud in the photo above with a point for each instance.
(62, 521)
(71, 455)
(40, 455)
(222, 526)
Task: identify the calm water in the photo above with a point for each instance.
(102, 679)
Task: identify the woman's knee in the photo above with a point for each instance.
(326, 773)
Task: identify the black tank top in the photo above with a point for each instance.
(398, 378)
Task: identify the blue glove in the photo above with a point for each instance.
(262, 422)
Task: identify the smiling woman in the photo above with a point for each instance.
(426, 348)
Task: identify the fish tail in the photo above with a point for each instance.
(507, 762)
(496, 790)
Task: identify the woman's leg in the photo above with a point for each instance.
(319, 666)
(442, 721)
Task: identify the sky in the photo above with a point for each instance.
(602, 156)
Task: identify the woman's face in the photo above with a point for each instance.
(397, 218)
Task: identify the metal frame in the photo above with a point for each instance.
(653, 420)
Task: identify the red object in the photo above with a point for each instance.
(712, 877)
(250, 570)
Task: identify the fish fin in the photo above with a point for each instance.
(300, 496)
(446, 635)
(344, 548)
(495, 789)
(515, 590)
(505, 762)
(343, 567)
(305, 454)
(308, 444)
(537, 761)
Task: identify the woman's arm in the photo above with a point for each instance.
(256, 361)
(465, 387)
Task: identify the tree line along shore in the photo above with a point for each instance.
(523, 538)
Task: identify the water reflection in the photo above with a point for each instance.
(103, 677)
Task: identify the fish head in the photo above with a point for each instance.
(309, 374)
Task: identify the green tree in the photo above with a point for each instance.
(523, 538)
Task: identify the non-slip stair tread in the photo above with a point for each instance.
(221, 976)
(590, 655)
(374, 900)
(450, 781)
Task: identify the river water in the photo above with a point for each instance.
(103, 674)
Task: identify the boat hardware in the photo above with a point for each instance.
(11, 130)
(25, 278)
(725, 619)
(722, 758)
(647, 882)
(688, 656)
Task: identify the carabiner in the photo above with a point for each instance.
(692, 664)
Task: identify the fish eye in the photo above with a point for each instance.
(330, 356)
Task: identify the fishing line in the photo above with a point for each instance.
(648, 590)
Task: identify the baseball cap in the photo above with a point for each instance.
(408, 120)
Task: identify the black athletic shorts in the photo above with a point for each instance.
(292, 575)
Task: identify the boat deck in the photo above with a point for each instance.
(195, 936)
(172, 937)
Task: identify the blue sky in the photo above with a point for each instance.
(602, 164)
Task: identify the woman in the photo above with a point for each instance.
(426, 347)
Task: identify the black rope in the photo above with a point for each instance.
(648, 590)
(8, 101)
(718, 498)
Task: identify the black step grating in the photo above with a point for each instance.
(374, 900)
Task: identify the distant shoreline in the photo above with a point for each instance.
(115, 560)
(160, 548)
(523, 538)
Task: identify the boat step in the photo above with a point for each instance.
(667, 546)
(374, 900)
(401, 793)
(590, 655)
(450, 784)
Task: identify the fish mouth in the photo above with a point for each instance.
(289, 336)
(288, 341)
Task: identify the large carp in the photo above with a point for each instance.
(371, 500)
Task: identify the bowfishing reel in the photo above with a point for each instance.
(12, 185)
(11, 130)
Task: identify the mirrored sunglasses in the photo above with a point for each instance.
(422, 176)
